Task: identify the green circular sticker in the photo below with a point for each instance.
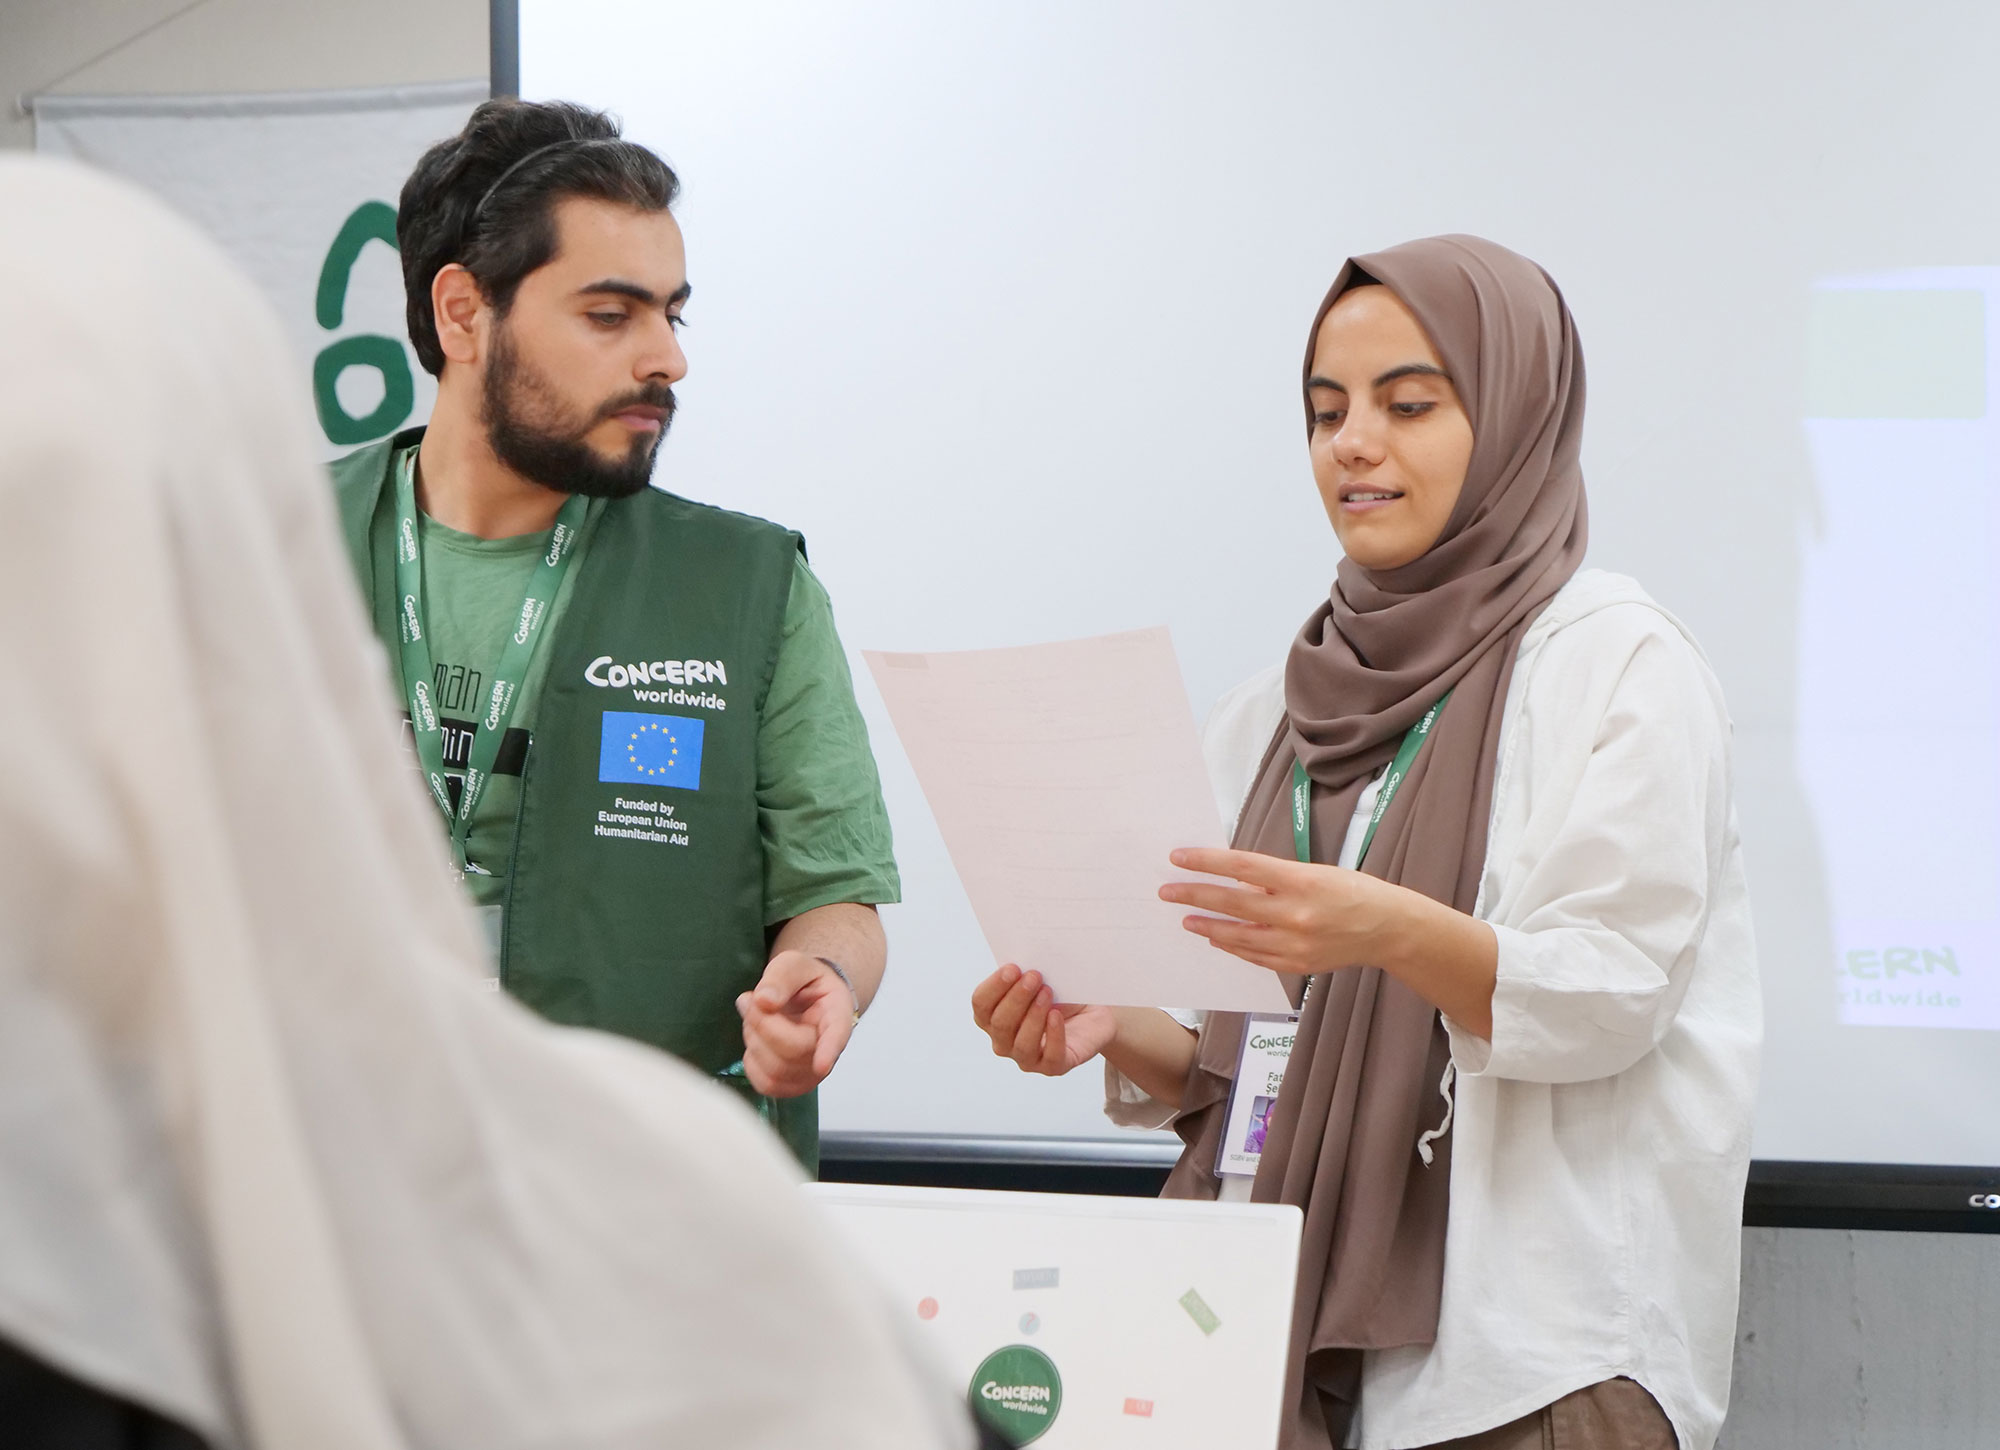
(1017, 1391)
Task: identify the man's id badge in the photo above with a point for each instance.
(1260, 1072)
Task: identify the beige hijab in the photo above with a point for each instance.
(1363, 1085)
(274, 1162)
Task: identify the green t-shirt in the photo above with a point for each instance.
(824, 829)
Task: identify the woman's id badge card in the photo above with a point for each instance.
(1260, 1072)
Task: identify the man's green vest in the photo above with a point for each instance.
(635, 907)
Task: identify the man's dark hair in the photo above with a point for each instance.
(486, 199)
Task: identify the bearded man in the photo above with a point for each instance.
(631, 711)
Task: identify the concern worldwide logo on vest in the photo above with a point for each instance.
(639, 676)
(1017, 1391)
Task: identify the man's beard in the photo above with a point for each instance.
(527, 430)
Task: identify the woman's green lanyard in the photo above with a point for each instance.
(1267, 1040)
(1391, 783)
(515, 658)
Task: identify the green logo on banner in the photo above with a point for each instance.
(372, 221)
(1017, 1392)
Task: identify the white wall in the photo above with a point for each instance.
(166, 47)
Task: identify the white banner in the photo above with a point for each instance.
(296, 187)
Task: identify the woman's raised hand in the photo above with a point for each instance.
(1289, 916)
(1303, 919)
(1019, 1012)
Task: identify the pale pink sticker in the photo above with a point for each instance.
(927, 1309)
(1142, 1408)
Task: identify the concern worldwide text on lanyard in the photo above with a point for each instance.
(415, 655)
(1267, 1040)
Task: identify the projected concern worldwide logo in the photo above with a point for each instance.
(639, 749)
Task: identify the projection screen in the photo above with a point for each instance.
(1003, 307)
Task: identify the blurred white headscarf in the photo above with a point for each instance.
(274, 1161)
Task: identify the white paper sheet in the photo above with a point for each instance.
(1061, 775)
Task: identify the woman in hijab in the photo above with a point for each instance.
(1517, 1109)
(276, 1168)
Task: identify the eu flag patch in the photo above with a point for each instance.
(651, 750)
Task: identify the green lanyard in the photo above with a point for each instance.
(767, 1109)
(514, 658)
(1398, 768)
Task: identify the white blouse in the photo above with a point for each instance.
(1602, 1137)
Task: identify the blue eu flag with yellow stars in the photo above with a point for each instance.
(651, 750)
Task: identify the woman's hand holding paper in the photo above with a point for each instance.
(1018, 1011)
(1303, 919)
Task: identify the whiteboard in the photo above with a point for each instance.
(1003, 306)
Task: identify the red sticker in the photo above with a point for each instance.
(927, 1309)
(1142, 1408)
